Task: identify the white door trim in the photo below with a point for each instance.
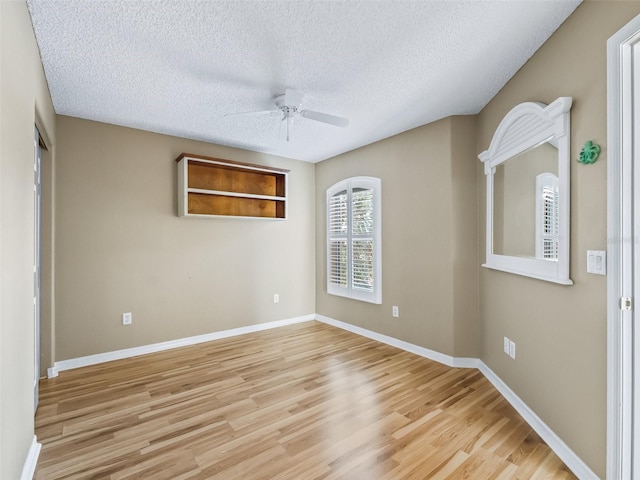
(620, 245)
(37, 244)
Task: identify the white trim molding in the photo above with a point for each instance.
(620, 246)
(30, 463)
(401, 344)
(568, 456)
(181, 342)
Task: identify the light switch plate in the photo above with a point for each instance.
(597, 262)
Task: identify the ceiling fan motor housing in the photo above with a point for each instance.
(287, 110)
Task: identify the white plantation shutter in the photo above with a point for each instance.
(353, 239)
(550, 222)
(547, 216)
(362, 238)
(362, 211)
(338, 213)
(339, 262)
(362, 275)
(338, 238)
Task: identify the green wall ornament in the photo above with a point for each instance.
(589, 153)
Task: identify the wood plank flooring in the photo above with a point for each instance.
(303, 402)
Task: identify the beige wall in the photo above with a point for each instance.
(429, 248)
(120, 246)
(560, 332)
(25, 99)
(464, 235)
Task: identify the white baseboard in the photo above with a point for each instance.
(394, 342)
(30, 463)
(52, 372)
(568, 456)
(181, 342)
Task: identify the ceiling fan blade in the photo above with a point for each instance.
(259, 112)
(292, 98)
(325, 118)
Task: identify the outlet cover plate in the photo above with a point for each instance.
(126, 318)
(597, 262)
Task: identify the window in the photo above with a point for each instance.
(353, 239)
(547, 215)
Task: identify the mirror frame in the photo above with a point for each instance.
(526, 126)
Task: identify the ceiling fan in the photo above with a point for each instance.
(288, 103)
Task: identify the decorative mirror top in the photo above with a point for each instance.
(526, 126)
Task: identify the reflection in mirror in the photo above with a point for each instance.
(547, 216)
(525, 202)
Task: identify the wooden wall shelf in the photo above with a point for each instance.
(223, 188)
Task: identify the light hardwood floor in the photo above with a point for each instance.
(303, 402)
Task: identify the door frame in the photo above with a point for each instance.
(37, 260)
(620, 254)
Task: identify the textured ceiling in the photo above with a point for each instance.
(177, 67)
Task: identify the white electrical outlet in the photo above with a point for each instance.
(506, 345)
(512, 349)
(276, 298)
(395, 312)
(126, 318)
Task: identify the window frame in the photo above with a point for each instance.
(349, 291)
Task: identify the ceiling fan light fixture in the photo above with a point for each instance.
(289, 104)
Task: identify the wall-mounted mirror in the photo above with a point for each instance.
(527, 168)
